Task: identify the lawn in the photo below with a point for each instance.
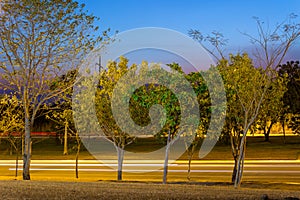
(50, 148)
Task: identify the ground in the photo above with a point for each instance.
(45, 148)
(115, 190)
(100, 189)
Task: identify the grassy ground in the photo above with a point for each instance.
(95, 189)
(116, 190)
(256, 149)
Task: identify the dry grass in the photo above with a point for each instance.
(125, 190)
(256, 149)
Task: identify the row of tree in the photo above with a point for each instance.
(147, 96)
(40, 40)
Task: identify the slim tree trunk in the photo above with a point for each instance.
(240, 163)
(27, 150)
(66, 139)
(120, 152)
(17, 162)
(10, 149)
(77, 156)
(166, 158)
(267, 133)
(234, 172)
(22, 144)
(191, 153)
(241, 171)
(283, 129)
(234, 141)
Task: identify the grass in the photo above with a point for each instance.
(130, 190)
(256, 149)
(88, 186)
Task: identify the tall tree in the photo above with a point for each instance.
(271, 45)
(11, 121)
(61, 113)
(108, 80)
(192, 141)
(245, 87)
(39, 40)
(291, 70)
(272, 107)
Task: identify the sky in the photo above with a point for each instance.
(230, 17)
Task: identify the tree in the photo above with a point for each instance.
(63, 120)
(38, 40)
(170, 93)
(11, 117)
(291, 70)
(271, 46)
(108, 80)
(11, 121)
(204, 101)
(133, 101)
(61, 112)
(215, 42)
(272, 107)
(245, 86)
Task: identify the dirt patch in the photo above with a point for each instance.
(133, 190)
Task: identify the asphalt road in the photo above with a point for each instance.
(287, 171)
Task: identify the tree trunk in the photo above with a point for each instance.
(11, 150)
(22, 144)
(17, 163)
(191, 153)
(267, 134)
(234, 141)
(77, 156)
(27, 150)
(283, 129)
(240, 163)
(166, 159)
(234, 172)
(66, 139)
(120, 151)
(241, 171)
(267, 137)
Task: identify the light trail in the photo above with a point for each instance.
(152, 165)
(198, 166)
(155, 161)
(170, 170)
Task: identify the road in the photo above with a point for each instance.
(203, 170)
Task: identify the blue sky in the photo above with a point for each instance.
(229, 17)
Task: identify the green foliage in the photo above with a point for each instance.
(144, 98)
(11, 119)
(272, 108)
(107, 83)
(244, 88)
(204, 101)
(60, 112)
(39, 40)
(291, 70)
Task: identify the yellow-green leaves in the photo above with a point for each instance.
(11, 119)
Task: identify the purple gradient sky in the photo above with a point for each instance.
(229, 17)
